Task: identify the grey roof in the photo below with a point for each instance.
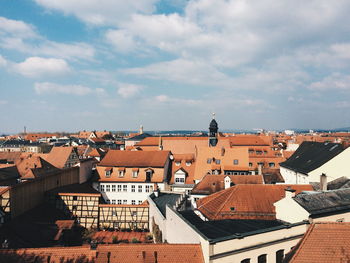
(218, 230)
(317, 203)
(163, 199)
(311, 155)
(339, 183)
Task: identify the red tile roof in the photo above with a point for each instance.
(58, 156)
(214, 183)
(245, 201)
(324, 243)
(121, 253)
(119, 158)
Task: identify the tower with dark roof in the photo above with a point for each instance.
(213, 132)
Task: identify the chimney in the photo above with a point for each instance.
(155, 257)
(323, 182)
(260, 166)
(227, 181)
(141, 129)
(289, 192)
(93, 245)
(144, 255)
(108, 257)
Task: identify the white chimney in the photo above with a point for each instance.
(227, 181)
(260, 166)
(323, 182)
(289, 192)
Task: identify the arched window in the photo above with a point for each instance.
(262, 258)
(246, 260)
(279, 256)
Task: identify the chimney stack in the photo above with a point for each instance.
(155, 257)
(323, 182)
(289, 192)
(260, 166)
(227, 181)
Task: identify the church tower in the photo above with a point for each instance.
(213, 132)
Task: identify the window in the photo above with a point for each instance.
(75, 198)
(177, 163)
(121, 173)
(74, 208)
(217, 161)
(108, 201)
(340, 220)
(133, 188)
(209, 160)
(235, 161)
(113, 201)
(119, 187)
(108, 188)
(125, 188)
(179, 180)
(247, 260)
(108, 173)
(133, 213)
(140, 202)
(113, 187)
(119, 202)
(271, 164)
(188, 163)
(279, 256)
(149, 175)
(250, 164)
(125, 201)
(147, 189)
(133, 202)
(262, 258)
(102, 188)
(140, 188)
(259, 152)
(135, 174)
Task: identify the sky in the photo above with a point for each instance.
(69, 65)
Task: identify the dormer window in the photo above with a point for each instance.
(177, 163)
(121, 172)
(149, 173)
(135, 172)
(217, 161)
(108, 172)
(188, 163)
(180, 177)
(209, 160)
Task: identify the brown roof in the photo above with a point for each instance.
(179, 162)
(250, 140)
(58, 156)
(10, 156)
(119, 158)
(36, 136)
(31, 166)
(245, 201)
(323, 243)
(214, 183)
(121, 253)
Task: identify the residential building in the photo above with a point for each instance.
(182, 173)
(314, 158)
(128, 177)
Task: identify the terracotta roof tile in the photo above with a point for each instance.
(324, 243)
(245, 201)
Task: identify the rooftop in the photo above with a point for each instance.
(164, 199)
(311, 155)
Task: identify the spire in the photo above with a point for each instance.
(213, 131)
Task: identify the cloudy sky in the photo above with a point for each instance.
(68, 65)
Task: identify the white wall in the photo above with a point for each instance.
(292, 177)
(290, 211)
(335, 168)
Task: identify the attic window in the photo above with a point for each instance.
(232, 208)
(177, 163)
(188, 163)
(209, 160)
(217, 161)
(235, 161)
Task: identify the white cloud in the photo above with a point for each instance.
(121, 40)
(37, 67)
(3, 102)
(100, 12)
(183, 71)
(3, 61)
(20, 36)
(335, 81)
(175, 101)
(16, 28)
(127, 90)
(53, 88)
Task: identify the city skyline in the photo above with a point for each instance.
(114, 65)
